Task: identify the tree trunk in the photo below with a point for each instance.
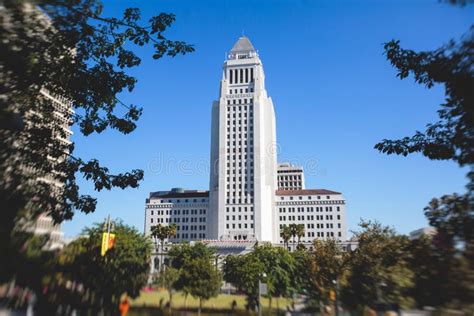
(278, 303)
(200, 306)
(162, 250)
(171, 299)
(270, 303)
(185, 300)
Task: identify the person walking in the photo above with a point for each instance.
(124, 307)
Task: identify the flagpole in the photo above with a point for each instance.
(108, 229)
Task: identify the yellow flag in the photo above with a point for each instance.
(105, 244)
(111, 242)
(108, 240)
(332, 295)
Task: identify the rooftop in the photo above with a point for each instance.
(179, 193)
(243, 45)
(306, 192)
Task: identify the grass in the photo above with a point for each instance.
(222, 302)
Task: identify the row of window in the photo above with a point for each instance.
(191, 236)
(241, 90)
(239, 201)
(242, 75)
(239, 217)
(308, 209)
(179, 201)
(240, 122)
(234, 186)
(239, 163)
(296, 184)
(190, 227)
(309, 217)
(178, 212)
(309, 197)
(239, 225)
(239, 150)
(291, 177)
(239, 101)
(239, 209)
(178, 220)
(289, 171)
(319, 234)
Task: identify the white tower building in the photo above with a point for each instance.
(243, 156)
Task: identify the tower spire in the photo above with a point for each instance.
(243, 45)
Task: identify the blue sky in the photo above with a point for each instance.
(335, 96)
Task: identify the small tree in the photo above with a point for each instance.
(244, 272)
(167, 279)
(328, 263)
(124, 268)
(379, 269)
(181, 256)
(279, 268)
(202, 279)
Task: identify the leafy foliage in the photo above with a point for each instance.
(124, 268)
(197, 274)
(452, 136)
(327, 266)
(161, 232)
(201, 278)
(244, 272)
(271, 265)
(57, 52)
(167, 279)
(378, 268)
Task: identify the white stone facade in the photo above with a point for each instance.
(290, 177)
(250, 197)
(322, 212)
(188, 209)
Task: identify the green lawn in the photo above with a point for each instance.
(222, 302)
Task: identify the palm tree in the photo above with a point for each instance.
(299, 232)
(286, 235)
(293, 231)
(172, 230)
(160, 232)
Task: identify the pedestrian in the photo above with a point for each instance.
(124, 306)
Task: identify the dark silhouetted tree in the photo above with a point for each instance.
(69, 51)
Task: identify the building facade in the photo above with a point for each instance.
(243, 159)
(250, 197)
(322, 212)
(290, 177)
(187, 209)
